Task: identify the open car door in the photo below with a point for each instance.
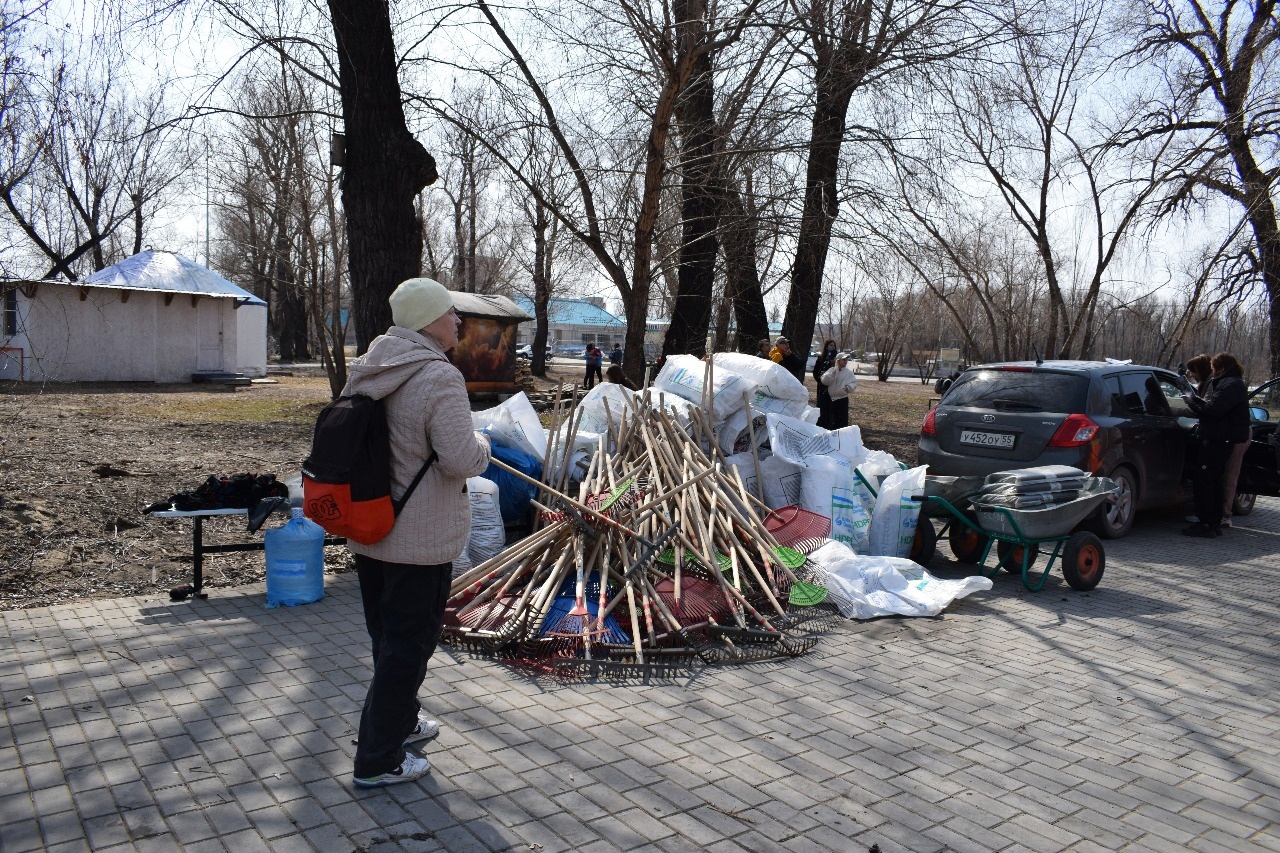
(1260, 471)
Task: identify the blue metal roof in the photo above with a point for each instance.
(167, 272)
(573, 312)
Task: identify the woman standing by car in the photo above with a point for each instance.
(1224, 421)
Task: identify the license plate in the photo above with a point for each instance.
(998, 440)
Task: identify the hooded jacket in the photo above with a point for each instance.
(1224, 413)
(427, 409)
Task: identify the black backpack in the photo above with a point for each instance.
(346, 481)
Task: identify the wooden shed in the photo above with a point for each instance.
(486, 350)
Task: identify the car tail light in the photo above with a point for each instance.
(1075, 431)
(930, 426)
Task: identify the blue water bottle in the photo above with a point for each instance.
(295, 562)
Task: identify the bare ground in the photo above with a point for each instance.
(78, 462)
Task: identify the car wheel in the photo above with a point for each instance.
(1011, 556)
(966, 543)
(1083, 561)
(925, 544)
(1115, 518)
(1243, 504)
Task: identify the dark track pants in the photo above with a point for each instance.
(1210, 471)
(403, 611)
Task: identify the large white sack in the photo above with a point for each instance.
(826, 487)
(686, 376)
(800, 442)
(765, 377)
(514, 423)
(865, 587)
(893, 522)
(734, 435)
(781, 482)
(488, 536)
(594, 418)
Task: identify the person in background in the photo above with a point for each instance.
(615, 357)
(826, 360)
(791, 362)
(595, 359)
(405, 577)
(615, 374)
(840, 381)
(763, 348)
(1224, 421)
(1198, 373)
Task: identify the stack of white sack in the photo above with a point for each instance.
(764, 388)
(867, 587)
(821, 463)
(488, 536)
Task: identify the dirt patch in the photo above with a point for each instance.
(79, 462)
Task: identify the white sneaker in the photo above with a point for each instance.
(426, 729)
(413, 767)
(1226, 522)
(1194, 519)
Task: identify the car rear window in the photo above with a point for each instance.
(1024, 391)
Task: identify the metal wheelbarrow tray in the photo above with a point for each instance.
(1019, 533)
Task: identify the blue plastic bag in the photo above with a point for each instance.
(514, 494)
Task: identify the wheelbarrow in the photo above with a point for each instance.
(1019, 534)
(954, 492)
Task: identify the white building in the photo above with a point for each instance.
(154, 317)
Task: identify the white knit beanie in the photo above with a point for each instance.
(419, 302)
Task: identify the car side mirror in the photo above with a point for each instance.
(1188, 423)
(1257, 415)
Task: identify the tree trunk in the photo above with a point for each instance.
(742, 276)
(541, 288)
(695, 114)
(821, 205)
(385, 166)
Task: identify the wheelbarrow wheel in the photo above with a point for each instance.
(925, 545)
(1083, 561)
(1014, 552)
(966, 543)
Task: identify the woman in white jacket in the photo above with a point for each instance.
(840, 382)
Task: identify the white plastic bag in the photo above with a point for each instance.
(893, 523)
(866, 587)
(876, 465)
(594, 418)
(514, 423)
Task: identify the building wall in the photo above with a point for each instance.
(105, 339)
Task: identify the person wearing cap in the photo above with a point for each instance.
(839, 381)
(791, 362)
(405, 577)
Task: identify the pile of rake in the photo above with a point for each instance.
(661, 562)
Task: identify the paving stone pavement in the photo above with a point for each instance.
(1140, 716)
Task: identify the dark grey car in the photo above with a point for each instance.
(1115, 420)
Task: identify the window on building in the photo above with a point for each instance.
(11, 311)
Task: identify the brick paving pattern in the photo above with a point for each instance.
(1142, 716)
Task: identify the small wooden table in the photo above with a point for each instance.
(199, 549)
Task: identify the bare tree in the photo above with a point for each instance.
(1218, 101)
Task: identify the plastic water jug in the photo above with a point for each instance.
(295, 562)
